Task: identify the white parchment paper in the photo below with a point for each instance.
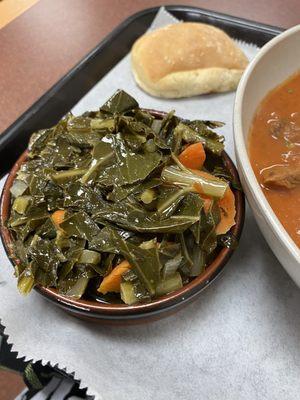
(239, 340)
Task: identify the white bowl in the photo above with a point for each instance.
(274, 63)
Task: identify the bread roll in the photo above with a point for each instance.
(187, 59)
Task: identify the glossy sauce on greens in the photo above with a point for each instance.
(275, 152)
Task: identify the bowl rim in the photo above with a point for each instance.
(241, 147)
(169, 301)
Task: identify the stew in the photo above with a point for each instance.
(275, 152)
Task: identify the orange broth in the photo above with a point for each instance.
(274, 140)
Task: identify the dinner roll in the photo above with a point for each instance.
(187, 59)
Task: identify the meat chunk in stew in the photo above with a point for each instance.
(281, 177)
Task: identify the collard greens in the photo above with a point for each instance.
(123, 195)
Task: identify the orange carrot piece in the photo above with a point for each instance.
(226, 204)
(58, 217)
(193, 156)
(228, 212)
(112, 282)
(198, 188)
(204, 174)
(207, 200)
(207, 203)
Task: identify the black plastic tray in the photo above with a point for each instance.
(79, 80)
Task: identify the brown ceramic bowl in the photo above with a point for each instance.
(121, 313)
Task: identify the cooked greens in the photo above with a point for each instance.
(103, 202)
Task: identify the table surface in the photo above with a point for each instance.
(42, 44)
